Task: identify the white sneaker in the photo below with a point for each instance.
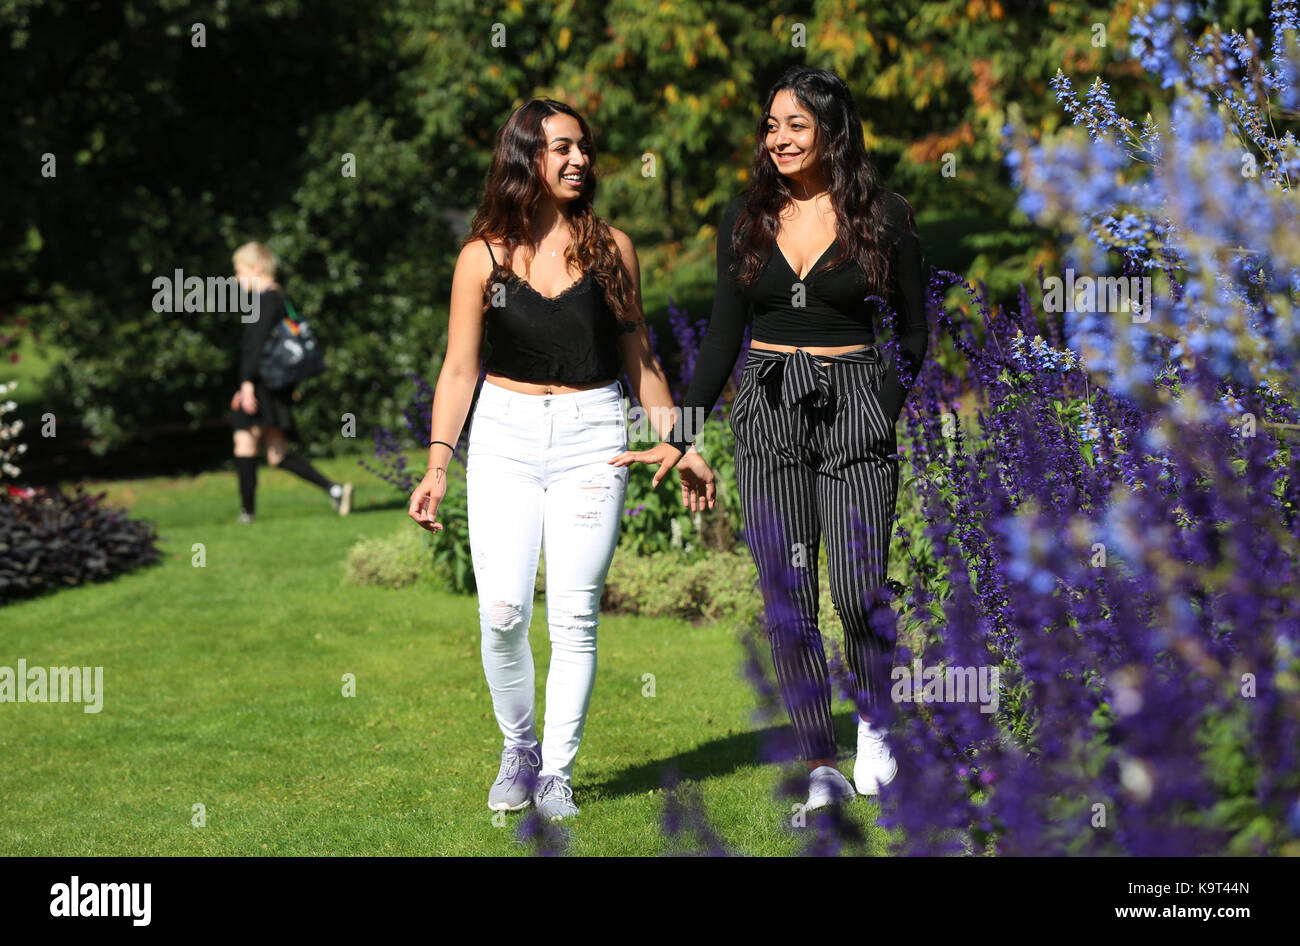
(341, 498)
(827, 786)
(874, 765)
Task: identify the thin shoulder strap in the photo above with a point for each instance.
(490, 253)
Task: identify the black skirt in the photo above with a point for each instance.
(274, 409)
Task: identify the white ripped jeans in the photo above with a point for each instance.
(537, 478)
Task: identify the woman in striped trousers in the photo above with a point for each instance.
(807, 253)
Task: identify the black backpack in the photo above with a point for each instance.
(292, 352)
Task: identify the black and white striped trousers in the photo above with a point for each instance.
(816, 455)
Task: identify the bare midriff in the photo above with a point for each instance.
(539, 387)
(810, 349)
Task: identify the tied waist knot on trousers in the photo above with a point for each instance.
(804, 374)
(825, 384)
(816, 457)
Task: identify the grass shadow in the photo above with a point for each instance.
(712, 759)
(716, 758)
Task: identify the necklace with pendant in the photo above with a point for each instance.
(555, 253)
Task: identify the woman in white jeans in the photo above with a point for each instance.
(561, 324)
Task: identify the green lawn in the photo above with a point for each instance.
(222, 687)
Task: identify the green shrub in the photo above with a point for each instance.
(911, 551)
(452, 561)
(410, 554)
(718, 586)
(391, 561)
(654, 520)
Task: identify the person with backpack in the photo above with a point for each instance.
(260, 411)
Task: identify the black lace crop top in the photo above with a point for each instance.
(835, 312)
(571, 338)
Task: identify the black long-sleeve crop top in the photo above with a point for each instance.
(835, 313)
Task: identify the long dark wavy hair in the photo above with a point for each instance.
(515, 190)
(859, 200)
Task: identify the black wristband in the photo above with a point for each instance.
(444, 443)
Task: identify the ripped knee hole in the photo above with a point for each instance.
(504, 616)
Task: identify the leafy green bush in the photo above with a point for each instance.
(654, 520)
(410, 554)
(665, 584)
(391, 561)
(452, 561)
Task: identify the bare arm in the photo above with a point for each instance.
(456, 380)
(644, 372)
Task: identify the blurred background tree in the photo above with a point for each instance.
(169, 154)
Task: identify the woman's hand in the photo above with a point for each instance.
(426, 498)
(663, 455)
(234, 402)
(697, 481)
(247, 398)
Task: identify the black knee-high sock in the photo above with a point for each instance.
(300, 466)
(246, 467)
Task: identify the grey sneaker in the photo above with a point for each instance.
(828, 786)
(245, 517)
(554, 798)
(514, 785)
(342, 501)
